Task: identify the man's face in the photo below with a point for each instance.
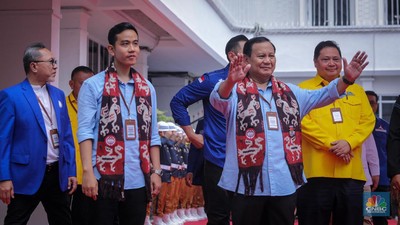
(77, 82)
(373, 102)
(45, 69)
(328, 63)
(126, 48)
(262, 60)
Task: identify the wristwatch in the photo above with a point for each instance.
(347, 81)
(158, 172)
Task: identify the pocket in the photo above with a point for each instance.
(20, 159)
(352, 107)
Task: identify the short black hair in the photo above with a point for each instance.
(373, 94)
(233, 44)
(32, 54)
(324, 44)
(117, 29)
(249, 44)
(78, 69)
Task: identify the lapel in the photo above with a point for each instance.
(31, 98)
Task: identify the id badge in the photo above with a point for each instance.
(336, 115)
(55, 141)
(272, 119)
(130, 129)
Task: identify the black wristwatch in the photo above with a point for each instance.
(158, 172)
(347, 81)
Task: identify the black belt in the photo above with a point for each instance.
(52, 167)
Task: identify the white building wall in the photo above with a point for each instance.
(167, 87)
(26, 21)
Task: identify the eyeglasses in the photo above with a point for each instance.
(52, 61)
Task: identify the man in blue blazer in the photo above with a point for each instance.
(37, 155)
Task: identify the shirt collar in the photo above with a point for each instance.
(319, 81)
(72, 98)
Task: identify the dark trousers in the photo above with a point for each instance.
(263, 210)
(322, 198)
(216, 199)
(131, 211)
(381, 220)
(82, 208)
(55, 202)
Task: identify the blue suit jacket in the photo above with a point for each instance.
(23, 139)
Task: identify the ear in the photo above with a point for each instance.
(247, 59)
(110, 49)
(33, 67)
(71, 84)
(231, 55)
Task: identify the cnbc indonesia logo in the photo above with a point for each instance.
(376, 204)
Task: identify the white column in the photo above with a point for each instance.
(74, 43)
(367, 83)
(24, 22)
(381, 13)
(141, 65)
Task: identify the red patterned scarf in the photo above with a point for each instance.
(250, 136)
(111, 145)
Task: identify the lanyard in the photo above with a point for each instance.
(268, 102)
(123, 99)
(45, 111)
(71, 103)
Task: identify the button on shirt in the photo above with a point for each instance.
(276, 175)
(89, 103)
(43, 95)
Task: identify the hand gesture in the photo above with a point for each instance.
(90, 185)
(189, 179)
(6, 191)
(72, 184)
(353, 70)
(197, 140)
(342, 149)
(396, 182)
(155, 183)
(238, 69)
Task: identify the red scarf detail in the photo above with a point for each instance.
(110, 156)
(250, 136)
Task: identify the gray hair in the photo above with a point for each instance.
(32, 54)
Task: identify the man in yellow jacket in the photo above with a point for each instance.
(81, 205)
(332, 139)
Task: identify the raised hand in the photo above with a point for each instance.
(237, 68)
(353, 70)
(237, 72)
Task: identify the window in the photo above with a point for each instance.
(393, 12)
(330, 13)
(99, 58)
(386, 104)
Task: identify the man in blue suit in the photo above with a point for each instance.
(37, 156)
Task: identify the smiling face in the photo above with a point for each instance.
(126, 48)
(262, 61)
(328, 63)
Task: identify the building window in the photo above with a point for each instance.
(330, 13)
(393, 12)
(99, 58)
(386, 104)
